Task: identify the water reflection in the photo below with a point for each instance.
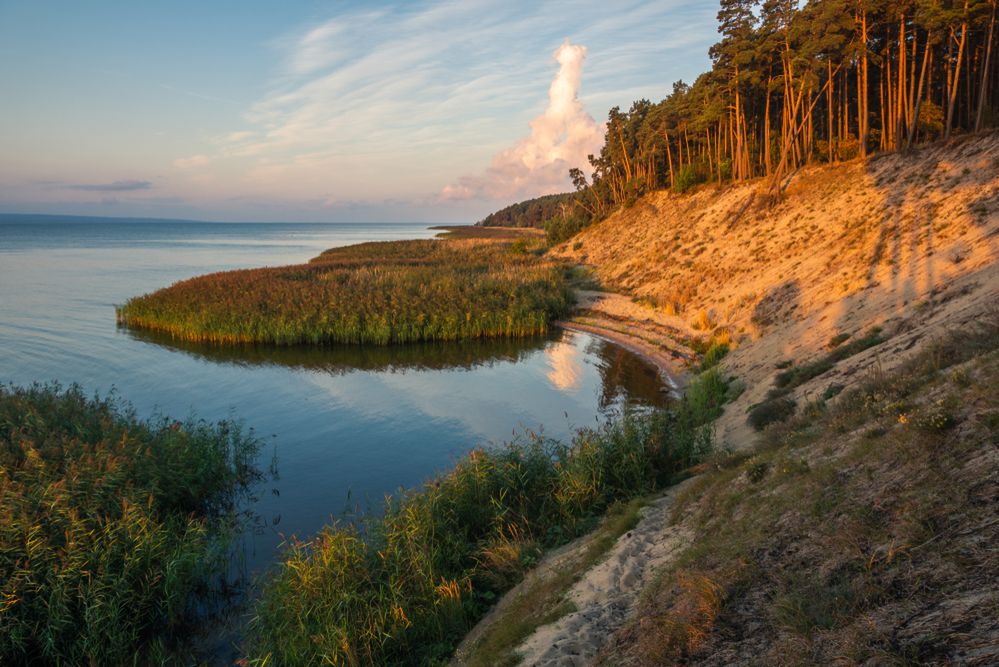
(623, 374)
(343, 359)
(565, 366)
(624, 377)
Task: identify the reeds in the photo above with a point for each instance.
(109, 526)
(403, 589)
(371, 293)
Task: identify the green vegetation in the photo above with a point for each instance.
(529, 213)
(855, 533)
(374, 293)
(714, 354)
(771, 411)
(406, 587)
(837, 340)
(112, 530)
(561, 228)
(798, 375)
(476, 232)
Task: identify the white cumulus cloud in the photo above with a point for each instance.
(561, 138)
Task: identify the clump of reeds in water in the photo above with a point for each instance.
(373, 293)
(111, 528)
(403, 589)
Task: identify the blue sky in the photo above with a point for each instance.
(317, 111)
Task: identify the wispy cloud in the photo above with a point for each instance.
(116, 186)
(192, 162)
(403, 101)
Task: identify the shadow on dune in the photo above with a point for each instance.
(924, 232)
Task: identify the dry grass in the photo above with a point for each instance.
(858, 532)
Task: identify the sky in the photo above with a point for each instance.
(308, 111)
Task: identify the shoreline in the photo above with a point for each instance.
(667, 368)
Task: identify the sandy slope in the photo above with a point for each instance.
(907, 243)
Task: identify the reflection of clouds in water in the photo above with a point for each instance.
(478, 401)
(565, 369)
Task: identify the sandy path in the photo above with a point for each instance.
(608, 593)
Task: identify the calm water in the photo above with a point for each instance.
(347, 424)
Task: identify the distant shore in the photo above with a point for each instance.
(476, 232)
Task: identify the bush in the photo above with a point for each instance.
(633, 189)
(798, 375)
(837, 340)
(770, 412)
(686, 178)
(756, 470)
(715, 353)
(561, 228)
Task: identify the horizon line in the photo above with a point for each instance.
(55, 216)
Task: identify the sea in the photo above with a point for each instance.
(340, 426)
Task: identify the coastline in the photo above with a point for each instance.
(666, 365)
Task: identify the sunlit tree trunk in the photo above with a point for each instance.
(830, 107)
(766, 132)
(669, 160)
(914, 120)
(862, 94)
(983, 88)
(957, 74)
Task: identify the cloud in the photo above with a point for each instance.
(369, 111)
(369, 102)
(561, 138)
(322, 46)
(192, 162)
(116, 186)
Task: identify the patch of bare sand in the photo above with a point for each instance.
(606, 595)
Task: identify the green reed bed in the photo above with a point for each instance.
(373, 293)
(112, 530)
(403, 589)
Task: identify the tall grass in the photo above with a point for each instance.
(374, 293)
(110, 527)
(403, 589)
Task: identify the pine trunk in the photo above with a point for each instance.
(957, 74)
(983, 89)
